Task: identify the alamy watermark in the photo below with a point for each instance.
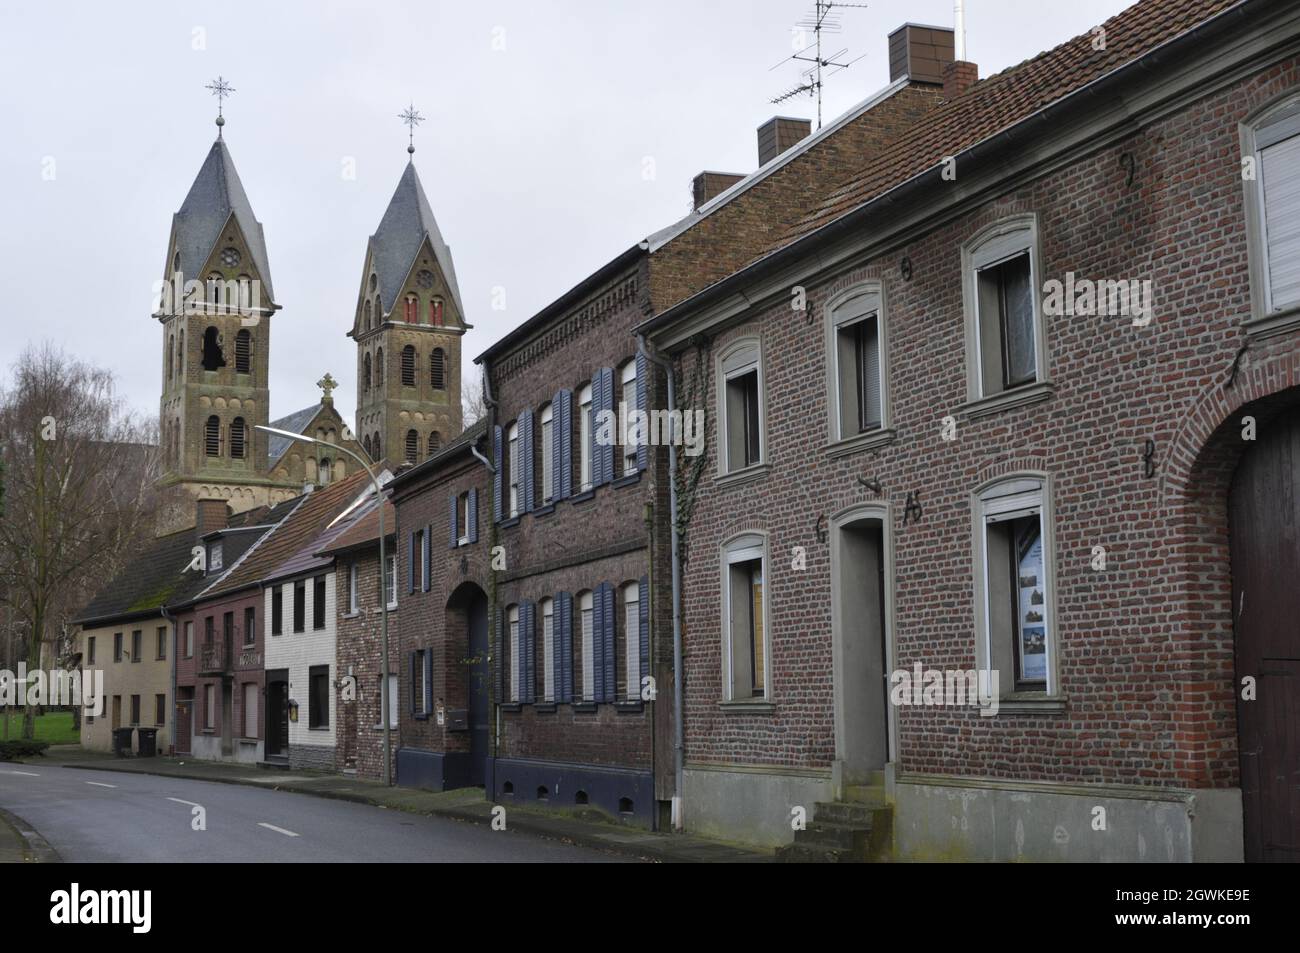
(1131, 298)
(952, 688)
(54, 688)
(637, 428)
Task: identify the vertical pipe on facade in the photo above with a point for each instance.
(489, 402)
(171, 620)
(679, 749)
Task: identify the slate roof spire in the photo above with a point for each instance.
(397, 242)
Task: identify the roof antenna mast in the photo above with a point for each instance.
(822, 19)
(959, 28)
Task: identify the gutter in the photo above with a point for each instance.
(679, 748)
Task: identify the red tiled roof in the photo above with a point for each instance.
(364, 530)
(1006, 98)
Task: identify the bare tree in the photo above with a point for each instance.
(79, 470)
(472, 403)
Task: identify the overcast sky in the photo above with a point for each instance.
(531, 154)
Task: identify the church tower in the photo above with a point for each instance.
(408, 327)
(215, 315)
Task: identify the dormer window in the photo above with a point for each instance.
(214, 556)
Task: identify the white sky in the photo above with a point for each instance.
(531, 156)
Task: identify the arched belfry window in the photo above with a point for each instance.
(435, 442)
(213, 359)
(377, 447)
(379, 367)
(365, 373)
(408, 365)
(171, 355)
(412, 309)
(435, 312)
(212, 437)
(367, 319)
(180, 354)
(243, 351)
(238, 438)
(437, 369)
(412, 445)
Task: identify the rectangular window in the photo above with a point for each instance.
(250, 626)
(1277, 143)
(319, 696)
(392, 699)
(228, 629)
(548, 650)
(462, 504)
(741, 408)
(135, 709)
(299, 606)
(162, 642)
(209, 707)
(318, 602)
(548, 457)
(189, 638)
(585, 432)
(160, 710)
(516, 472)
(587, 618)
(352, 588)
(117, 646)
(859, 382)
(214, 556)
(137, 645)
(90, 650)
(512, 652)
(632, 640)
(251, 694)
(745, 619)
(417, 683)
(208, 629)
(392, 581)
(629, 401)
(1007, 323)
(277, 610)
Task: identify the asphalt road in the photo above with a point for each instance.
(98, 816)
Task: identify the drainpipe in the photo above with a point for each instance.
(495, 706)
(171, 620)
(679, 748)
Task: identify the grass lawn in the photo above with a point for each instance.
(53, 726)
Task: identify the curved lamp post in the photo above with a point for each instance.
(385, 701)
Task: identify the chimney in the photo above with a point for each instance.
(778, 134)
(706, 185)
(959, 76)
(919, 53)
(211, 515)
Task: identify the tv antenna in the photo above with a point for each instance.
(824, 18)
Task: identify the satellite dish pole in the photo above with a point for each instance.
(823, 19)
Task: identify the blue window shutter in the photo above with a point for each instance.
(412, 554)
(556, 463)
(610, 659)
(473, 515)
(564, 484)
(530, 653)
(607, 390)
(564, 650)
(526, 451)
(428, 681)
(598, 644)
(499, 462)
(452, 517)
(643, 405)
(499, 658)
(426, 567)
(414, 656)
(643, 604)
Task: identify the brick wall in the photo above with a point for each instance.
(359, 742)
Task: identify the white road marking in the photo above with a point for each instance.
(187, 803)
(101, 784)
(278, 830)
(26, 774)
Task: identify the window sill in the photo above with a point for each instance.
(584, 707)
(509, 522)
(1017, 397)
(421, 716)
(863, 441)
(748, 707)
(627, 480)
(545, 708)
(546, 510)
(584, 496)
(249, 741)
(351, 615)
(629, 708)
(1031, 703)
(1278, 322)
(512, 706)
(757, 471)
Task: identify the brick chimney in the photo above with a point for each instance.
(959, 76)
(919, 53)
(707, 185)
(211, 515)
(778, 134)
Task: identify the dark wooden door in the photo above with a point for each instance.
(1265, 535)
(277, 717)
(478, 689)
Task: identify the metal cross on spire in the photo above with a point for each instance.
(412, 119)
(221, 89)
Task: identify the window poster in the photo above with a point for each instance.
(1032, 621)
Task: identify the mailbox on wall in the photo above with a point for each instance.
(457, 719)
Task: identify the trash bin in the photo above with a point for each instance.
(122, 742)
(148, 742)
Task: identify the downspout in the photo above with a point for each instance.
(679, 748)
(171, 620)
(495, 705)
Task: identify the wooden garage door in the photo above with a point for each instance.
(1265, 527)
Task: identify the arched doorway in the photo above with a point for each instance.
(467, 647)
(1264, 523)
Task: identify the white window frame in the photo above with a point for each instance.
(585, 430)
(739, 358)
(392, 580)
(994, 245)
(547, 607)
(853, 306)
(742, 548)
(996, 501)
(353, 600)
(254, 687)
(1272, 124)
(548, 474)
(632, 639)
(512, 649)
(462, 503)
(586, 630)
(189, 638)
(515, 474)
(628, 380)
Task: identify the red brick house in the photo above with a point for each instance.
(937, 465)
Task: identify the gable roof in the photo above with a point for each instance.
(295, 422)
(306, 558)
(407, 221)
(362, 532)
(215, 196)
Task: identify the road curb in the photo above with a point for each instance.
(36, 849)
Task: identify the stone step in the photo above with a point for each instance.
(848, 812)
(812, 854)
(873, 794)
(844, 836)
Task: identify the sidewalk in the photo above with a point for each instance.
(467, 804)
(19, 845)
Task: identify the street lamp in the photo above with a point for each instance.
(384, 701)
